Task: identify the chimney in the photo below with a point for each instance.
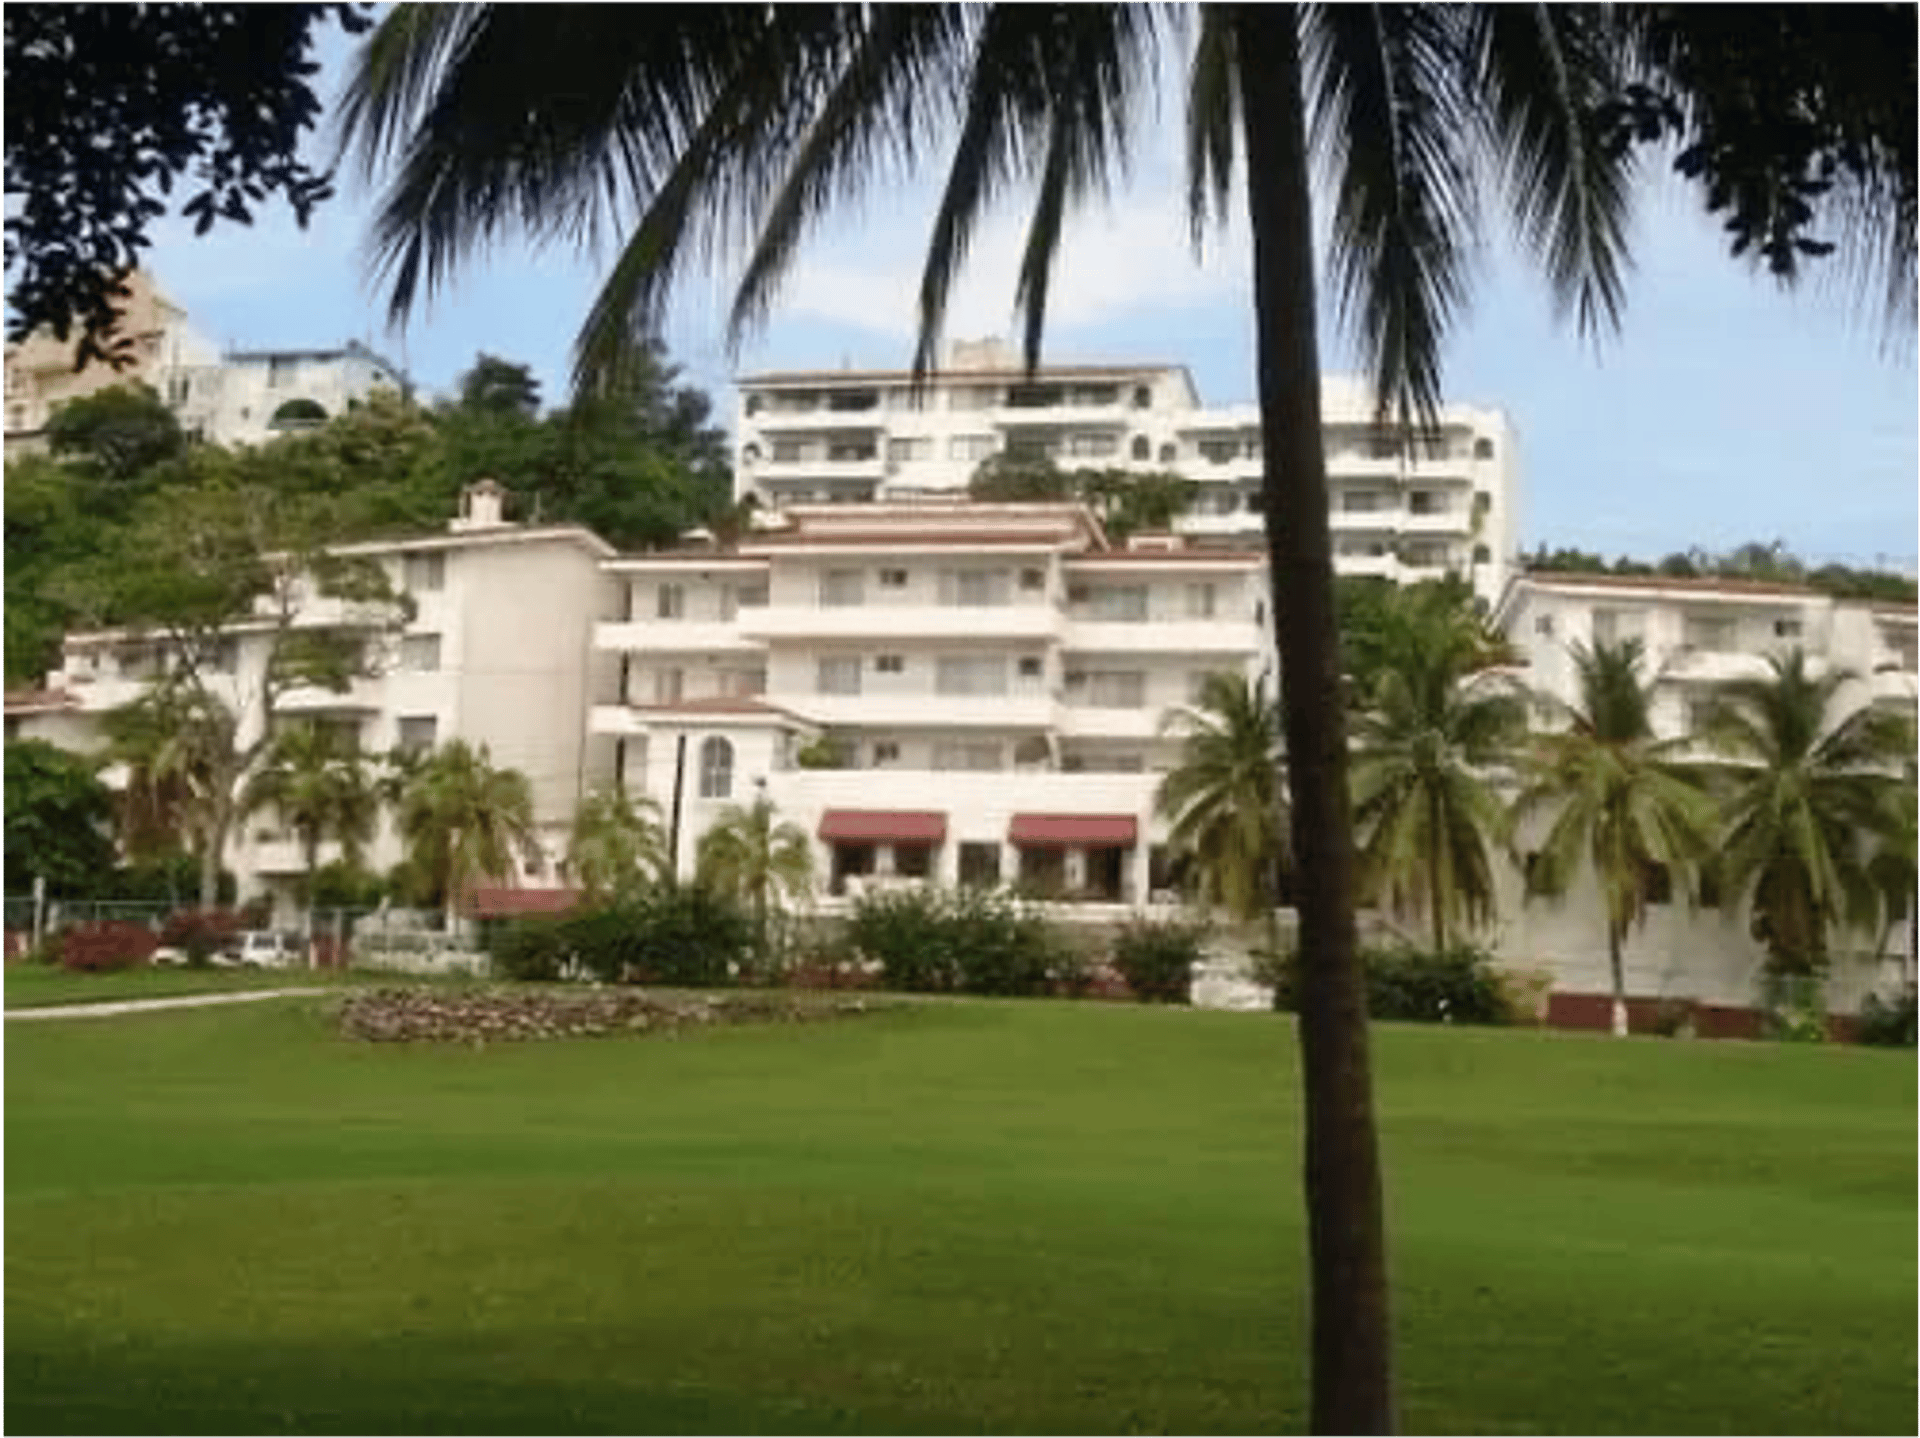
(482, 506)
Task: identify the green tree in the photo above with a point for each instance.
(1805, 792)
(1435, 732)
(463, 820)
(759, 122)
(318, 785)
(617, 843)
(1620, 802)
(1013, 478)
(59, 821)
(753, 856)
(498, 386)
(1226, 797)
(174, 744)
(123, 430)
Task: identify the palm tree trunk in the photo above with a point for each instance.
(1436, 894)
(1619, 980)
(310, 852)
(1351, 1362)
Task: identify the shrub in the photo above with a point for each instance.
(688, 936)
(1458, 985)
(959, 941)
(1886, 1024)
(108, 945)
(1157, 959)
(530, 950)
(201, 933)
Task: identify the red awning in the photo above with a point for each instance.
(1039, 831)
(882, 826)
(507, 903)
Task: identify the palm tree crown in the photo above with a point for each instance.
(1805, 795)
(462, 819)
(1226, 797)
(617, 842)
(320, 789)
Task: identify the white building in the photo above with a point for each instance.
(496, 653)
(987, 682)
(251, 396)
(1400, 511)
(1697, 634)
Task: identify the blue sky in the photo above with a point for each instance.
(1724, 411)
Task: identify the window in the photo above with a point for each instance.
(1787, 629)
(1483, 449)
(1427, 501)
(839, 675)
(841, 588)
(1656, 884)
(753, 596)
(1033, 580)
(885, 751)
(1219, 451)
(970, 446)
(893, 579)
(1360, 501)
(670, 602)
(1200, 601)
(1094, 446)
(1109, 688)
(423, 573)
(1482, 554)
(1610, 626)
(1715, 634)
(970, 676)
(1031, 667)
(669, 685)
(1169, 453)
(980, 865)
(1117, 603)
(743, 683)
(1543, 625)
(967, 756)
(890, 664)
(223, 657)
(1142, 396)
(1142, 449)
(716, 769)
(420, 653)
(913, 861)
(417, 733)
(975, 588)
(908, 451)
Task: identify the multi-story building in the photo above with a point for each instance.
(1697, 635)
(495, 653)
(250, 396)
(946, 691)
(1403, 508)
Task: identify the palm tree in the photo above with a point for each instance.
(1425, 748)
(462, 819)
(173, 743)
(617, 842)
(1805, 793)
(751, 855)
(1226, 797)
(1622, 802)
(722, 121)
(321, 790)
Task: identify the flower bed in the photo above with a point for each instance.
(421, 1015)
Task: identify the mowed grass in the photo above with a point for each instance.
(30, 986)
(955, 1217)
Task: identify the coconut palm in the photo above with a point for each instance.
(750, 854)
(321, 790)
(1805, 792)
(1426, 752)
(1226, 798)
(172, 743)
(1620, 801)
(462, 819)
(685, 128)
(616, 843)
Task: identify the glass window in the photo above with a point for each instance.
(889, 664)
(716, 769)
(971, 675)
(423, 573)
(1109, 688)
(1031, 667)
(967, 755)
(841, 588)
(839, 675)
(670, 602)
(975, 588)
(417, 733)
(1200, 601)
(980, 864)
(893, 579)
(420, 653)
(1116, 603)
(1094, 445)
(668, 685)
(885, 751)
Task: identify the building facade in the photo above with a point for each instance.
(1402, 508)
(251, 396)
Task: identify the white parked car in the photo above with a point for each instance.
(267, 949)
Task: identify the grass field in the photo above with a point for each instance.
(956, 1217)
(41, 985)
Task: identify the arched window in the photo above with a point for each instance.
(1141, 449)
(1142, 397)
(751, 454)
(716, 769)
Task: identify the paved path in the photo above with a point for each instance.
(141, 1006)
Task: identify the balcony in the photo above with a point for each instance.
(891, 622)
(1182, 636)
(361, 696)
(862, 464)
(1452, 522)
(1689, 665)
(618, 721)
(676, 636)
(1031, 709)
(1087, 721)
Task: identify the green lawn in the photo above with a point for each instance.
(30, 986)
(947, 1217)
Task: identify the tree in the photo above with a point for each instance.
(1621, 803)
(59, 821)
(315, 781)
(1011, 478)
(108, 105)
(758, 122)
(1226, 797)
(752, 855)
(173, 743)
(123, 429)
(463, 820)
(617, 843)
(497, 386)
(1434, 731)
(1805, 793)
(212, 582)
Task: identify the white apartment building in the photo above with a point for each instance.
(987, 682)
(1697, 634)
(1401, 510)
(496, 653)
(251, 396)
